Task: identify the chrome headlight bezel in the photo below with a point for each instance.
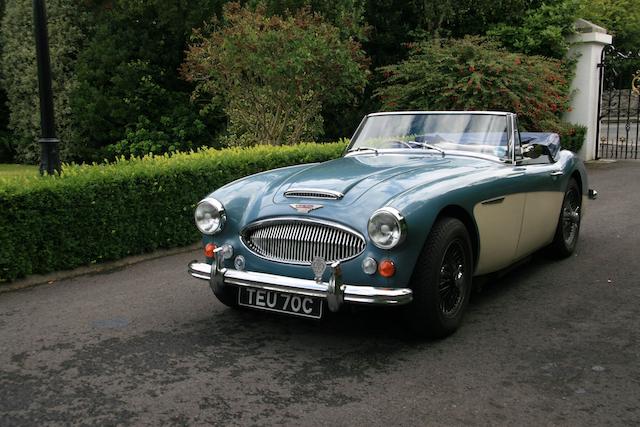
(397, 224)
(217, 213)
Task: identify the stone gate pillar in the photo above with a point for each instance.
(586, 48)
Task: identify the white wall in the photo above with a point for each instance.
(587, 48)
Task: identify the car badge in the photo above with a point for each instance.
(318, 265)
(304, 207)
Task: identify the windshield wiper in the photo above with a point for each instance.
(429, 146)
(363, 149)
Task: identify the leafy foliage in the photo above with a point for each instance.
(620, 17)
(273, 75)
(477, 74)
(6, 149)
(94, 213)
(347, 15)
(395, 22)
(572, 136)
(118, 92)
(543, 30)
(167, 136)
(128, 83)
(67, 22)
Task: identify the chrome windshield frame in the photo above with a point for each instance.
(510, 128)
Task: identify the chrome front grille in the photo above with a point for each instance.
(298, 241)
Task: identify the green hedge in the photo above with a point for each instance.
(95, 213)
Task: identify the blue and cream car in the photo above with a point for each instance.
(419, 203)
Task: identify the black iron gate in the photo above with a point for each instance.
(618, 131)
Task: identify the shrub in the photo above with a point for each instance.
(273, 75)
(477, 74)
(94, 213)
(572, 137)
(182, 132)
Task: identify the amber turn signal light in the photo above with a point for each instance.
(386, 268)
(208, 250)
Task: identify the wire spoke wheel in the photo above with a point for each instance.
(451, 289)
(441, 280)
(571, 216)
(565, 239)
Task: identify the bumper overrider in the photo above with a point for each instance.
(334, 292)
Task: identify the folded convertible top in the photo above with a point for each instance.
(551, 140)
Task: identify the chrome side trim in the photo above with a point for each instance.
(494, 201)
(334, 291)
(313, 193)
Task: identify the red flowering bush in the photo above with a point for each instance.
(478, 74)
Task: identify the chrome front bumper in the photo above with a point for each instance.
(334, 291)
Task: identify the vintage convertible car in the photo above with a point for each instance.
(419, 203)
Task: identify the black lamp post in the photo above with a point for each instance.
(49, 158)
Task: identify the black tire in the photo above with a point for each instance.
(228, 296)
(568, 228)
(441, 280)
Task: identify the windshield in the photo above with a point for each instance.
(479, 133)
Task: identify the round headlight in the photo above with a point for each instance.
(210, 216)
(387, 228)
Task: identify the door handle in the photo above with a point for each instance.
(557, 173)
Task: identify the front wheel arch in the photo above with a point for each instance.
(578, 178)
(459, 213)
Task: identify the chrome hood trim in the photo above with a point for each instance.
(313, 193)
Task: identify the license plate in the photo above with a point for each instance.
(280, 302)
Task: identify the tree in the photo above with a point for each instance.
(542, 31)
(130, 99)
(396, 22)
(67, 26)
(347, 15)
(273, 75)
(6, 147)
(620, 17)
(477, 74)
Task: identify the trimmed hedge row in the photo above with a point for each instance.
(95, 213)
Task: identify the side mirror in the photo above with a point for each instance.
(533, 151)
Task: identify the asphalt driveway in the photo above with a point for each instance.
(550, 343)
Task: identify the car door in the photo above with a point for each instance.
(543, 200)
(499, 221)
(499, 217)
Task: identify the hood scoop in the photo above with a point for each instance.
(313, 193)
